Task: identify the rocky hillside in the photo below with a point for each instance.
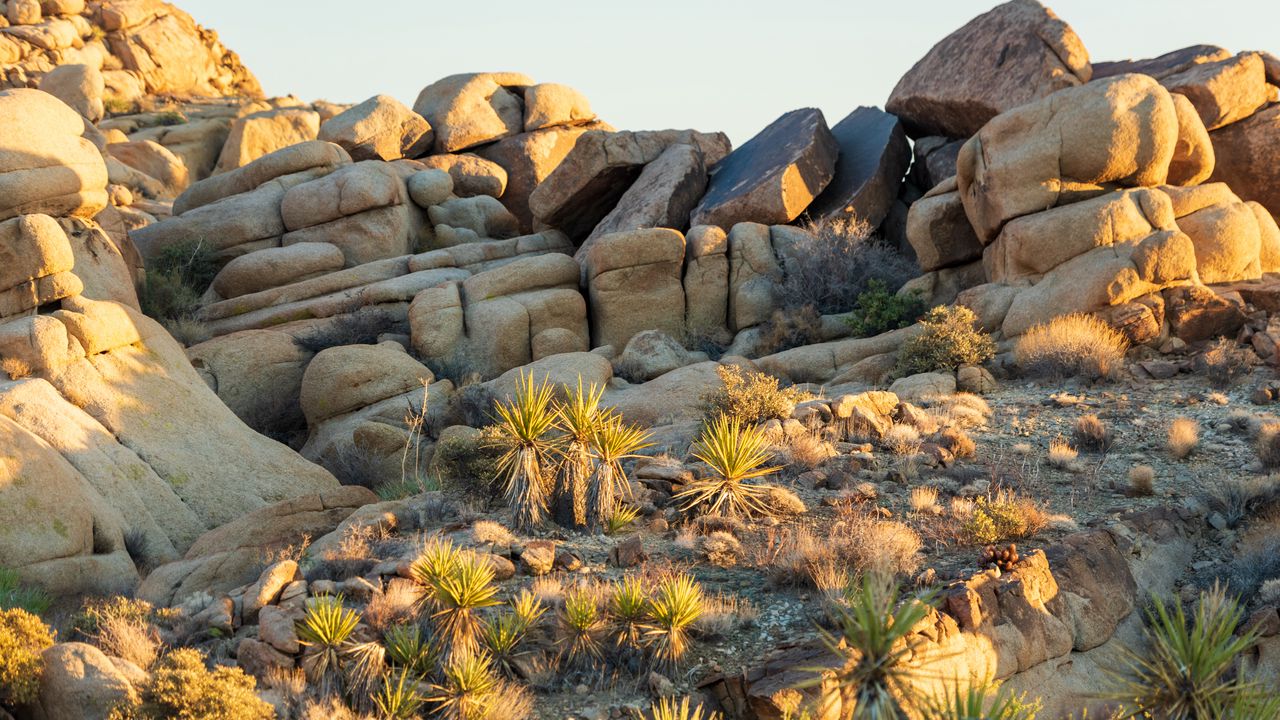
(279, 378)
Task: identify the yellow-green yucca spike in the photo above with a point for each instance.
(735, 453)
(525, 419)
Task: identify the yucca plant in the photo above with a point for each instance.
(1187, 672)
(614, 441)
(735, 453)
(871, 633)
(676, 605)
(628, 609)
(398, 697)
(578, 418)
(467, 690)
(458, 596)
(435, 561)
(669, 708)
(503, 635)
(524, 421)
(620, 519)
(580, 624)
(365, 664)
(980, 702)
(325, 631)
(408, 647)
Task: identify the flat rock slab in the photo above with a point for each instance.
(1166, 64)
(1247, 157)
(774, 176)
(1015, 53)
(874, 156)
(663, 196)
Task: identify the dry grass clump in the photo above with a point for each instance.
(1268, 445)
(132, 640)
(722, 549)
(1091, 434)
(395, 605)
(781, 502)
(724, 614)
(796, 557)
(806, 450)
(1243, 421)
(959, 410)
(1072, 346)
(488, 532)
(15, 367)
(883, 547)
(1062, 455)
(1238, 497)
(924, 499)
(957, 441)
(902, 440)
(1184, 435)
(1142, 480)
(1224, 362)
(750, 397)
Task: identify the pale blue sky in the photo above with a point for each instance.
(732, 66)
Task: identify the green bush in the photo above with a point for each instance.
(468, 463)
(176, 278)
(22, 638)
(182, 687)
(949, 338)
(750, 397)
(878, 311)
(14, 595)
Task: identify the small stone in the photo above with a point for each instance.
(538, 557)
(629, 552)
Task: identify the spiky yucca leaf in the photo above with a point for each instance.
(735, 453)
(578, 418)
(614, 441)
(980, 702)
(398, 697)
(872, 627)
(459, 595)
(528, 607)
(676, 605)
(1187, 672)
(467, 689)
(628, 607)
(436, 560)
(669, 708)
(620, 519)
(325, 631)
(410, 648)
(524, 421)
(580, 624)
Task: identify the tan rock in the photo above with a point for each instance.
(548, 104)
(380, 128)
(45, 164)
(1224, 230)
(472, 175)
(1223, 91)
(363, 209)
(634, 284)
(342, 379)
(257, 374)
(773, 177)
(1193, 156)
(754, 276)
(156, 161)
(274, 267)
(263, 133)
(528, 159)
(1013, 54)
(80, 86)
(308, 156)
(80, 682)
(939, 230)
(431, 187)
(472, 109)
(706, 281)
(1247, 157)
(664, 195)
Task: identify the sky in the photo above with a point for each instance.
(702, 64)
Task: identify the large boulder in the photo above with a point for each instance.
(473, 108)
(874, 155)
(274, 267)
(599, 169)
(46, 166)
(1227, 232)
(634, 284)
(471, 174)
(35, 264)
(342, 379)
(663, 196)
(263, 133)
(774, 176)
(1248, 157)
(529, 158)
(257, 374)
(1075, 144)
(1223, 91)
(706, 282)
(939, 230)
(156, 161)
(550, 104)
(380, 128)
(1011, 55)
(754, 275)
(80, 682)
(79, 86)
(317, 155)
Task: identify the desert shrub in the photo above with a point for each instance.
(22, 638)
(834, 261)
(902, 440)
(1267, 445)
(1223, 362)
(750, 397)
(783, 502)
(878, 311)
(884, 547)
(1074, 345)
(721, 549)
(396, 604)
(1090, 433)
(1142, 480)
(620, 519)
(176, 278)
(1237, 497)
(1002, 518)
(1187, 669)
(352, 464)
(96, 612)
(949, 338)
(469, 465)
(957, 441)
(137, 641)
(924, 499)
(469, 689)
(786, 329)
(676, 605)
(981, 701)
(325, 632)
(182, 687)
(15, 595)
(361, 327)
(1184, 435)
